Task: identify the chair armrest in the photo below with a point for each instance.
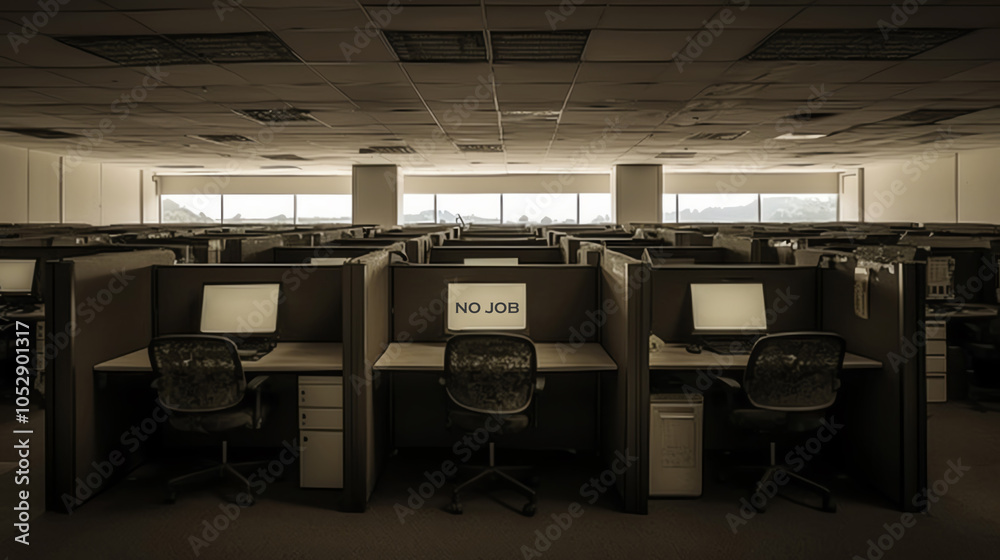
(730, 383)
(255, 385)
(539, 383)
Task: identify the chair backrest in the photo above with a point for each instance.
(490, 372)
(794, 371)
(197, 373)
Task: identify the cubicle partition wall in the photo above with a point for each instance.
(310, 311)
(367, 312)
(524, 255)
(303, 255)
(98, 307)
(887, 412)
(624, 295)
(561, 305)
(745, 248)
(686, 255)
(496, 241)
(789, 291)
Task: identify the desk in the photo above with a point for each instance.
(552, 357)
(307, 372)
(572, 387)
(674, 357)
(297, 357)
(962, 311)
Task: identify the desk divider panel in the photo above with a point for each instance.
(790, 291)
(525, 255)
(887, 411)
(559, 298)
(302, 255)
(97, 308)
(625, 292)
(310, 310)
(366, 397)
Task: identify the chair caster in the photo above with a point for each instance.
(171, 496)
(529, 510)
(454, 508)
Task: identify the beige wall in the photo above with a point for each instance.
(979, 186)
(13, 184)
(82, 193)
(44, 187)
(121, 195)
(920, 189)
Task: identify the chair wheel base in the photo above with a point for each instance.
(171, 497)
(529, 510)
(454, 508)
(830, 506)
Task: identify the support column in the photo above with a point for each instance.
(637, 193)
(377, 195)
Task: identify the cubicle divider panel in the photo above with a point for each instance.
(688, 255)
(625, 393)
(258, 249)
(310, 309)
(559, 299)
(524, 255)
(887, 415)
(99, 309)
(302, 255)
(790, 297)
(366, 402)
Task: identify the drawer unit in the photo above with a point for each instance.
(321, 432)
(936, 353)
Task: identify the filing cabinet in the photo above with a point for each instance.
(321, 432)
(936, 356)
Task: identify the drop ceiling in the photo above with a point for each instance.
(677, 78)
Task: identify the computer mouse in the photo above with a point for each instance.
(693, 348)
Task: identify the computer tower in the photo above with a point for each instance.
(675, 445)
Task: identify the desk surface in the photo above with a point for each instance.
(552, 357)
(673, 356)
(962, 311)
(286, 356)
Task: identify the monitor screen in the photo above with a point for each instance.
(239, 308)
(17, 276)
(487, 307)
(731, 308)
(493, 261)
(326, 261)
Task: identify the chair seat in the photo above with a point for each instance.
(221, 421)
(468, 421)
(761, 420)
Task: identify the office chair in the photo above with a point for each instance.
(200, 383)
(790, 379)
(490, 380)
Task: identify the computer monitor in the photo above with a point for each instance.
(732, 308)
(17, 276)
(244, 309)
(491, 261)
(486, 307)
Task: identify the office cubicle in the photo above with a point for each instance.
(525, 255)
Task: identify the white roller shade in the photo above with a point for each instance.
(765, 183)
(264, 184)
(541, 183)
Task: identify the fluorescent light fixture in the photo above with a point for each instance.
(799, 136)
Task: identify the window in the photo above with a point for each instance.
(418, 208)
(190, 209)
(258, 208)
(539, 208)
(323, 208)
(595, 208)
(717, 207)
(474, 208)
(798, 207)
(670, 208)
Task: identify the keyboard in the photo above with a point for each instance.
(734, 346)
(252, 350)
